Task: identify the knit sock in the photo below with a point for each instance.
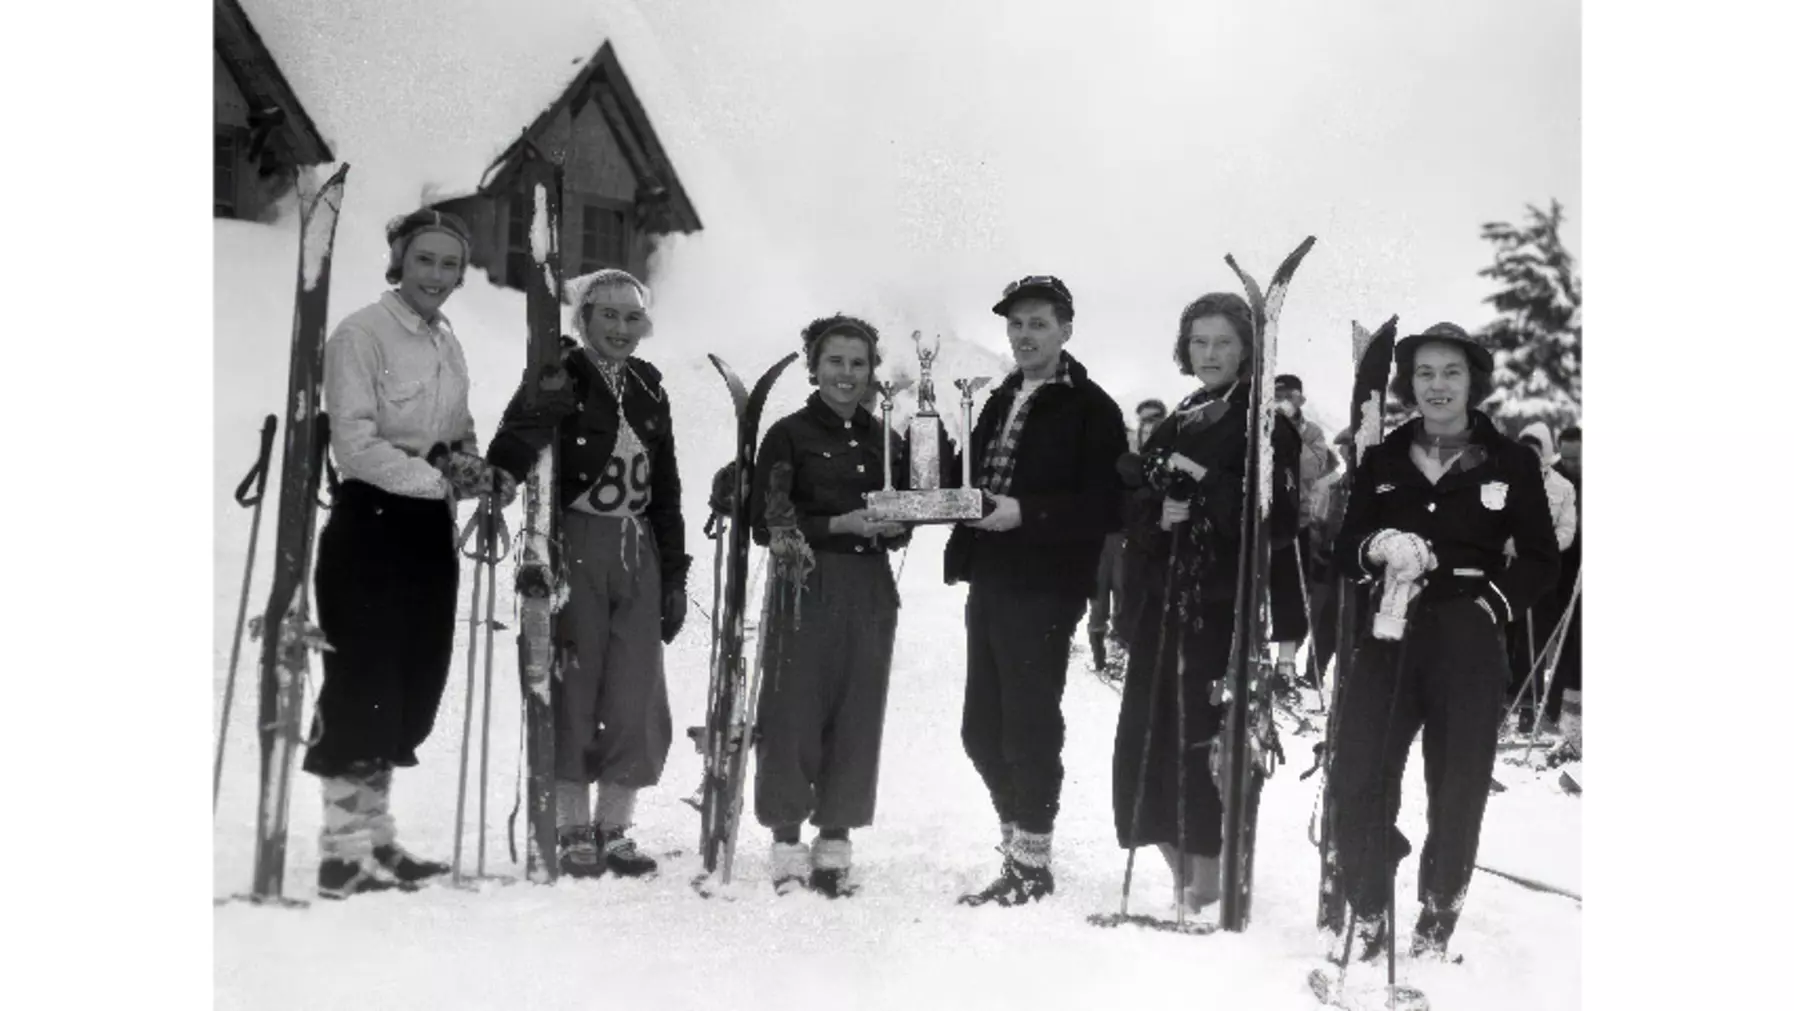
(572, 804)
(788, 834)
(1031, 849)
(832, 833)
(615, 809)
(345, 834)
(376, 801)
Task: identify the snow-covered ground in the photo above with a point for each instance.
(900, 943)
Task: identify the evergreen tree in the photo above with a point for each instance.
(1537, 336)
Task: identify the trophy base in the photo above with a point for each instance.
(937, 505)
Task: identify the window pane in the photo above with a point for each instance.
(518, 232)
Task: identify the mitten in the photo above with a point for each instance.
(672, 613)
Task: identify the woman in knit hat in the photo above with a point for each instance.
(395, 384)
(1188, 506)
(623, 544)
(1429, 512)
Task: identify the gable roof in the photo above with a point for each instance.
(263, 85)
(602, 83)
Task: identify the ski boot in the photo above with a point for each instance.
(339, 878)
(621, 857)
(1365, 941)
(577, 849)
(1018, 885)
(833, 860)
(1432, 933)
(790, 863)
(407, 867)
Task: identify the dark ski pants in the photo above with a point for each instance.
(1206, 648)
(1449, 676)
(1289, 618)
(1569, 665)
(1018, 642)
(611, 718)
(387, 578)
(825, 671)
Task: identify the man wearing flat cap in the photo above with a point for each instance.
(1044, 451)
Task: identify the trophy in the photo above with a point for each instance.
(926, 501)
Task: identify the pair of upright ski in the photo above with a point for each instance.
(727, 734)
(285, 627)
(1248, 739)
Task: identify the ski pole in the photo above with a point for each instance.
(258, 476)
(495, 544)
(1314, 667)
(473, 622)
(1168, 626)
(1562, 629)
(1553, 652)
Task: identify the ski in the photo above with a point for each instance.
(540, 588)
(1372, 357)
(288, 635)
(726, 737)
(1249, 739)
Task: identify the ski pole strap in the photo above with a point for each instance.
(487, 531)
(713, 526)
(258, 474)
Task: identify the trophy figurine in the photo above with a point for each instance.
(926, 501)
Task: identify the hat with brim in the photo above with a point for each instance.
(1447, 333)
(1045, 288)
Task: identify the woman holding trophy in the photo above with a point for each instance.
(831, 611)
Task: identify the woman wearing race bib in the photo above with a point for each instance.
(623, 553)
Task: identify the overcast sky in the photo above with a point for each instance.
(945, 147)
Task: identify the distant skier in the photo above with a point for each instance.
(623, 550)
(827, 659)
(1044, 450)
(1290, 620)
(395, 384)
(1527, 635)
(1430, 510)
(1191, 477)
(1104, 622)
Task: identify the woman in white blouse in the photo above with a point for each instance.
(395, 384)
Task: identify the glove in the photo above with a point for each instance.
(672, 614)
(722, 490)
(504, 488)
(466, 473)
(1173, 513)
(1403, 555)
(555, 397)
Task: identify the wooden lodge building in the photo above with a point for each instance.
(620, 192)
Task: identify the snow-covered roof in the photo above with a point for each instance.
(259, 78)
(424, 98)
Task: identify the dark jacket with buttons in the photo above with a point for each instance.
(1065, 483)
(834, 462)
(1215, 437)
(1466, 518)
(587, 437)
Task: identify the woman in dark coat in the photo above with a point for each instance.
(1430, 511)
(1189, 484)
(826, 644)
(623, 544)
